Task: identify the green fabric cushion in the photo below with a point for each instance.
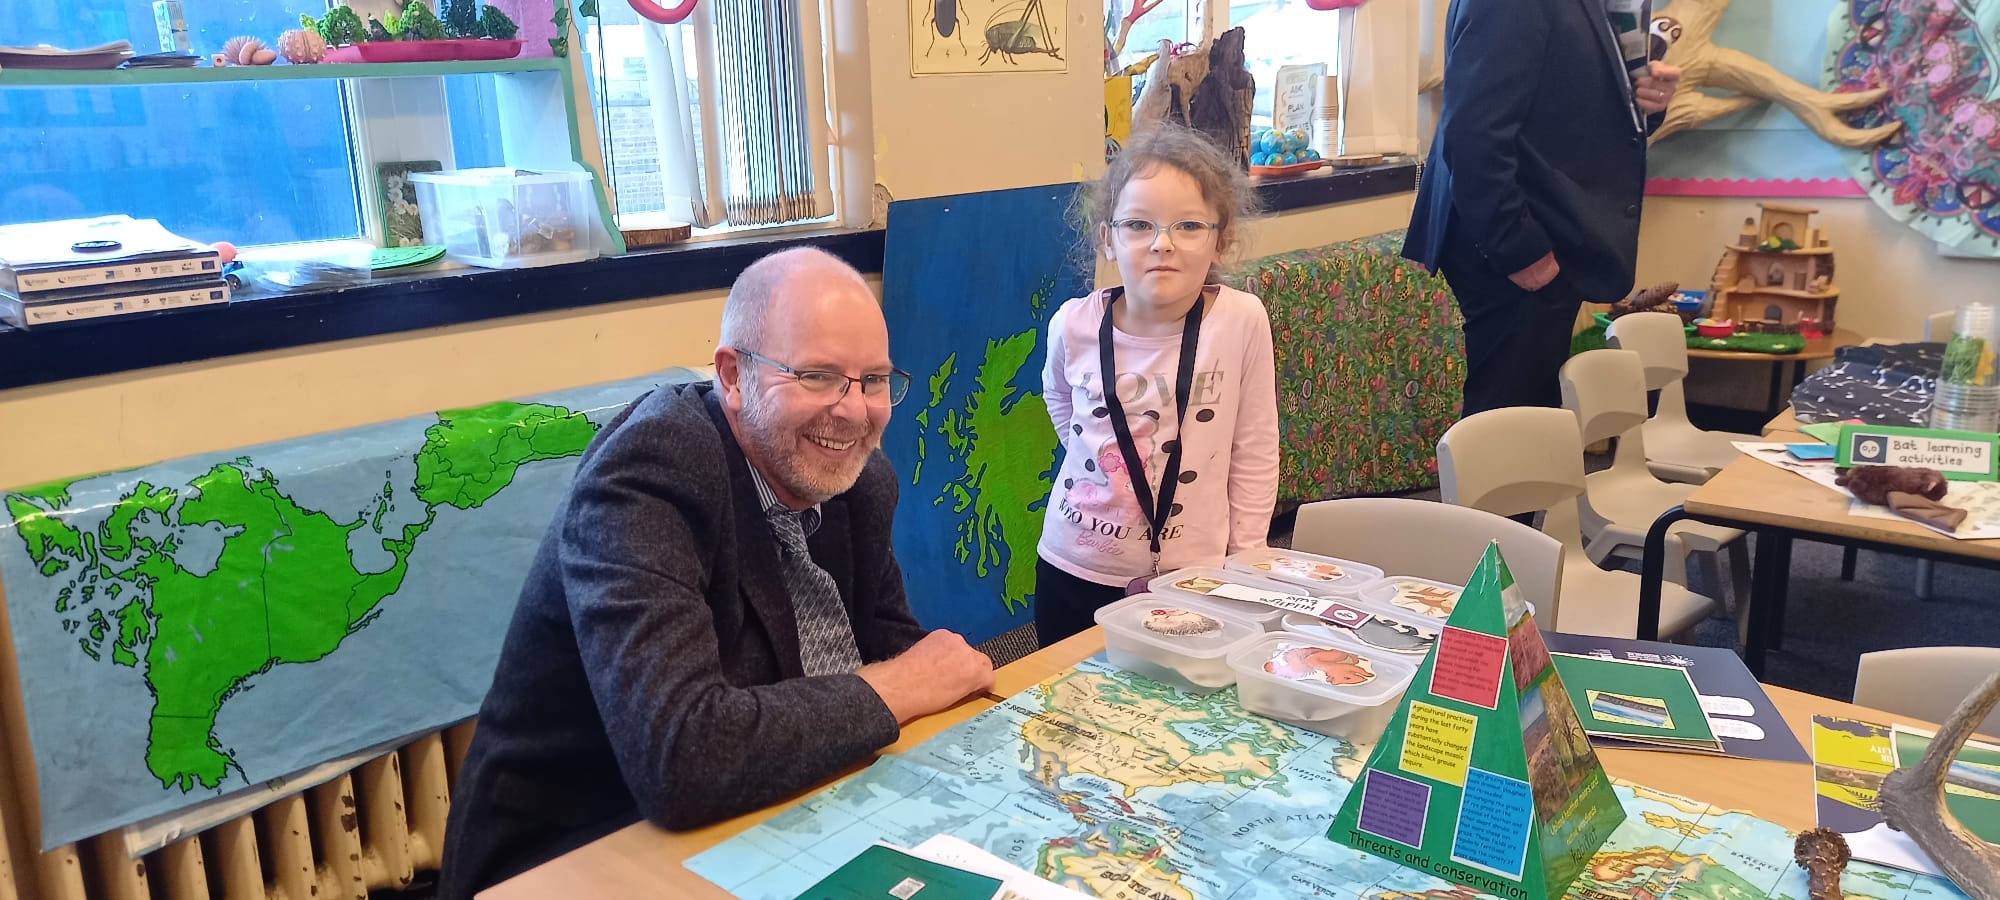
(1371, 366)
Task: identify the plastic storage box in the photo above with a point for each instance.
(1414, 597)
(1299, 680)
(1196, 582)
(1320, 576)
(509, 218)
(1157, 637)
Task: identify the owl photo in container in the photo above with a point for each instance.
(1295, 567)
(1104, 488)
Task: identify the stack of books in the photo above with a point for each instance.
(77, 269)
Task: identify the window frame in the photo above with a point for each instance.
(831, 165)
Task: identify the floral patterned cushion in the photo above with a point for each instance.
(1371, 367)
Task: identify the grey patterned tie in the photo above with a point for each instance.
(826, 639)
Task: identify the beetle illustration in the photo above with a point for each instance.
(1011, 37)
(944, 21)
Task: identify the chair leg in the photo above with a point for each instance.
(1923, 586)
(1848, 558)
(1711, 575)
(1781, 580)
(1739, 583)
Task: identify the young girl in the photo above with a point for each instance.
(1177, 465)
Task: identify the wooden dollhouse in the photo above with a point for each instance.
(1778, 276)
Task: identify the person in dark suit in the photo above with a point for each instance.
(1530, 201)
(716, 619)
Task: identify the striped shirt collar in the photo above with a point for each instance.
(808, 517)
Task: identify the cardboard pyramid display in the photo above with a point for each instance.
(1485, 776)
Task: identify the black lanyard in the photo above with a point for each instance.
(1156, 512)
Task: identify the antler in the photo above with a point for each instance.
(1913, 802)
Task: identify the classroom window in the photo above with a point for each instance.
(719, 121)
(1276, 33)
(251, 163)
(1279, 33)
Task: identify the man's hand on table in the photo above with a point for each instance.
(933, 675)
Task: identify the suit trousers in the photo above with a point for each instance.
(1516, 341)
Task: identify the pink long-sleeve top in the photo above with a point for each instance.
(1229, 471)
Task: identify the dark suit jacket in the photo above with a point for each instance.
(1536, 150)
(652, 668)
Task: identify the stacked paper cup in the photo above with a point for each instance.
(1968, 387)
(1326, 117)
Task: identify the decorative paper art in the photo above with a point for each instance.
(1936, 58)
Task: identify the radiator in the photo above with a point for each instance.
(375, 827)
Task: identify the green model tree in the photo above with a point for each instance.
(461, 17)
(420, 24)
(340, 26)
(495, 24)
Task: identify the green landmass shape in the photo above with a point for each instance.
(285, 588)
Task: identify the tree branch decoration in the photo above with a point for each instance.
(1913, 802)
(1116, 46)
(1752, 81)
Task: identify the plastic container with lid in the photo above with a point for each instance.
(509, 218)
(1320, 576)
(1207, 583)
(1414, 597)
(1388, 632)
(1298, 680)
(1156, 636)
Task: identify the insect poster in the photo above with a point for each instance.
(978, 37)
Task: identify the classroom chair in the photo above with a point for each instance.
(1530, 459)
(1438, 541)
(1926, 682)
(1606, 390)
(1675, 449)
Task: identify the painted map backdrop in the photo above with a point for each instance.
(968, 284)
(195, 627)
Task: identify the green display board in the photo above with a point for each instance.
(1485, 775)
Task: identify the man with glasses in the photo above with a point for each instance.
(716, 619)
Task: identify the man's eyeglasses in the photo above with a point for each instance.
(1141, 233)
(876, 390)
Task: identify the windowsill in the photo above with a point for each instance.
(1330, 185)
(400, 303)
(397, 303)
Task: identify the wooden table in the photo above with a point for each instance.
(645, 861)
(1817, 348)
(1787, 421)
(1779, 507)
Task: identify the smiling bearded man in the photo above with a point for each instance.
(716, 620)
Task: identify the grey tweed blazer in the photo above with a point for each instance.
(652, 667)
